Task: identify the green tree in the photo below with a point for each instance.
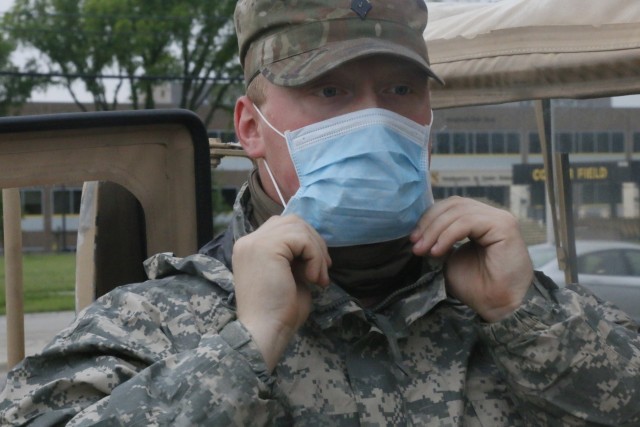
(139, 43)
(15, 87)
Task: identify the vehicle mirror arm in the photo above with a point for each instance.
(219, 150)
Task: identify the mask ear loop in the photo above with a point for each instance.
(273, 180)
(268, 123)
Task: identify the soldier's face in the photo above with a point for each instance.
(378, 81)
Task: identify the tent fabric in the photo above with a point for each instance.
(533, 49)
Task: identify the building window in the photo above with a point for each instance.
(602, 142)
(460, 143)
(617, 142)
(498, 143)
(636, 142)
(442, 143)
(534, 143)
(590, 142)
(513, 143)
(587, 143)
(66, 201)
(31, 201)
(476, 143)
(565, 142)
(482, 143)
(509, 142)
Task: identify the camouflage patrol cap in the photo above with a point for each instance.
(291, 42)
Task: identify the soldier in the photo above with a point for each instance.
(339, 294)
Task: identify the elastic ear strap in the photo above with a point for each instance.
(275, 184)
(267, 122)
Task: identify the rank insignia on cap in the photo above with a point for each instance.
(361, 7)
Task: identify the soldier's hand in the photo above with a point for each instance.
(491, 272)
(273, 268)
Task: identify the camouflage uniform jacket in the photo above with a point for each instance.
(170, 352)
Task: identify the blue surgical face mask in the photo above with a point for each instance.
(363, 176)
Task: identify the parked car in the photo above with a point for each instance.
(611, 269)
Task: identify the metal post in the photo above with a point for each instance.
(565, 220)
(558, 185)
(13, 275)
(545, 126)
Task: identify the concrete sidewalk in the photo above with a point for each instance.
(39, 329)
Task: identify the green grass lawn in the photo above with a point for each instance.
(49, 282)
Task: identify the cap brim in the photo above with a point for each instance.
(307, 66)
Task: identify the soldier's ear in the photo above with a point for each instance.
(248, 129)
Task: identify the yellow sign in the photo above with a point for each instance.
(583, 173)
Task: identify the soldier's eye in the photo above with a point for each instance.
(329, 91)
(401, 89)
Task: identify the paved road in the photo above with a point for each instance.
(39, 328)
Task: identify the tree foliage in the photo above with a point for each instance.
(140, 43)
(13, 91)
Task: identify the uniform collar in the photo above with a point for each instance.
(403, 307)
